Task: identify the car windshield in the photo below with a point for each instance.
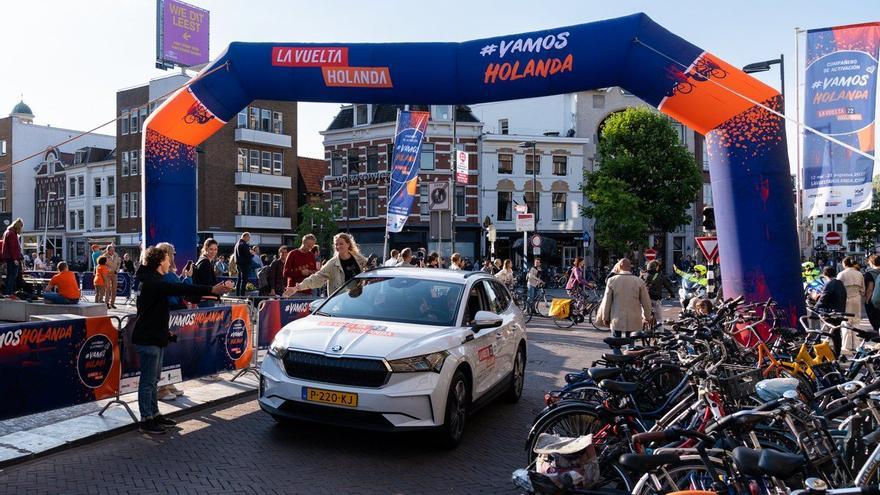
(396, 299)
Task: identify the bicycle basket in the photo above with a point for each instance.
(560, 308)
(738, 382)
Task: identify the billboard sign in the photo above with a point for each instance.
(461, 167)
(182, 34)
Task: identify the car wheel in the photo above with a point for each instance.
(514, 391)
(457, 402)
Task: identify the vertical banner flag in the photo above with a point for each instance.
(408, 138)
(461, 167)
(840, 93)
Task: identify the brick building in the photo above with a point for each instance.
(357, 147)
(245, 171)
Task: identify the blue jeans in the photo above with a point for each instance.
(11, 276)
(56, 298)
(151, 367)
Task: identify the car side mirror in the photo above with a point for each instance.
(314, 305)
(486, 319)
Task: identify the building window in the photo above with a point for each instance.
(124, 169)
(441, 112)
(277, 164)
(427, 157)
(97, 224)
(361, 115)
(560, 165)
(680, 131)
(354, 163)
(503, 127)
(266, 120)
(353, 204)
(336, 163)
(2, 147)
(820, 227)
(255, 161)
(267, 162)
(134, 209)
(459, 202)
(505, 207)
(123, 213)
(242, 119)
(72, 187)
(123, 120)
(242, 159)
(242, 203)
(705, 155)
(81, 219)
(111, 216)
(267, 204)
(254, 204)
(707, 195)
(253, 118)
(143, 112)
(559, 206)
(531, 160)
(372, 159)
(81, 185)
(73, 220)
(423, 201)
(111, 186)
(277, 210)
(598, 101)
(505, 163)
(533, 205)
(133, 124)
(372, 202)
(277, 122)
(97, 187)
(336, 202)
(135, 162)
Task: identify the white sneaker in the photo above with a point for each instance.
(167, 395)
(174, 390)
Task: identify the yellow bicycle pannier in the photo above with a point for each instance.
(559, 308)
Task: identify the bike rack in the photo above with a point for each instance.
(117, 400)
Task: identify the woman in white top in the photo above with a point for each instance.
(854, 282)
(455, 262)
(505, 275)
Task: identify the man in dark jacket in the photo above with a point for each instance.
(656, 282)
(151, 332)
(833, 297)
(277, 280)
(203, 272)
(244, 261)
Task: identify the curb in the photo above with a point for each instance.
(119, 430)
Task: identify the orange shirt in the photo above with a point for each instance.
(100, 275)
(66, 283)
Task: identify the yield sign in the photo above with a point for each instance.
(709, 247)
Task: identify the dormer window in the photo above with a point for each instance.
(441, 112)
(361, 114)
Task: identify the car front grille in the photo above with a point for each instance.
(343, 370)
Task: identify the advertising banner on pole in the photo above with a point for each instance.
(182, 34)
(209, 340)
(50, 365)
(408, 138)
(461, 167)
(275, 313)
(840, 94)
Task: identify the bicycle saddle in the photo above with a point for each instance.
(637, 352)
(618, 387)
(780, 464)
(617, 341)
(618, 359)
(867, 334)
(599, 374)
(642, 463)
(746, 461)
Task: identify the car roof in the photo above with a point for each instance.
(439, 274)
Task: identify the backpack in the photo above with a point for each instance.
(263, 277)
(875, 295)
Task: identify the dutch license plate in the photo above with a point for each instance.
(330, 397)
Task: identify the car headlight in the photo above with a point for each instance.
(278, 348)
(428, 362)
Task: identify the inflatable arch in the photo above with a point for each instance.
(748, 159)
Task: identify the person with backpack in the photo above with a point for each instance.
(872, 291)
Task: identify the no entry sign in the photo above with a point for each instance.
(650, 254)
(833, 238)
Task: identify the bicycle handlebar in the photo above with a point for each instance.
(850, 405)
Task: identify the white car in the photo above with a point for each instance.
(399, 349)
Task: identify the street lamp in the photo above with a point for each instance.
(765, 66)
(49, 197)
(534, 146)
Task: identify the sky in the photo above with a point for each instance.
(68, 58)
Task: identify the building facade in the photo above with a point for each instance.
(358, 146)
(246, 172)
(593, 108)
(49, 207)
(91, 204)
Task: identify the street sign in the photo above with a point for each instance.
(461, 167)
(709, 246)
(536, 251)
(525, 222)
(833, 238)
(536, 241)
(650, 254)
(438, 196)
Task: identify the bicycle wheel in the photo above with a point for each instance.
(566, 322)
(688, 474)
(591, 315)
(527, 314)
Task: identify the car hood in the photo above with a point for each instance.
(346, 336)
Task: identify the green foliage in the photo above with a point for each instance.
(646, 180)
(320, 221)
(864, 225)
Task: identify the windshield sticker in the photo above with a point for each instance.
(359, 328)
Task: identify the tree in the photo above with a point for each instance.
(865, 225)
(646, 180)
(319, 221)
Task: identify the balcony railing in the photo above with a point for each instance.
(262, 180)
(257, 222)
(261, 137)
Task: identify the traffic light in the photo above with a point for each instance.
(708, 218)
